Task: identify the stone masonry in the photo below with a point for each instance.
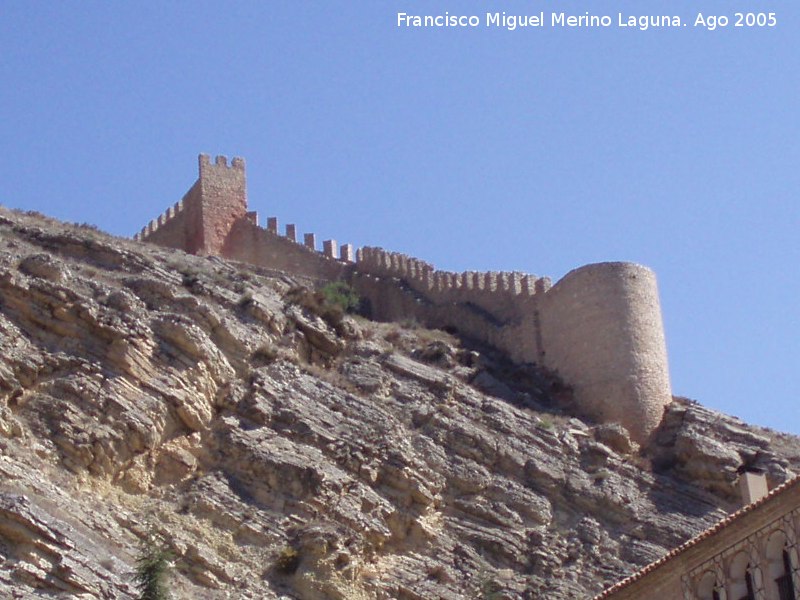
(599, 327)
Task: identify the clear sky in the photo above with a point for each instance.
(475, 148)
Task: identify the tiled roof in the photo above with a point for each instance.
(697, 539)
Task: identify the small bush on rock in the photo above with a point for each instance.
(331, 302)
(153, 567)
(338, 293)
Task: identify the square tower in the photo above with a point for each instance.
(222, 191)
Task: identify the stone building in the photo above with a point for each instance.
(750, 555)
(599, 327)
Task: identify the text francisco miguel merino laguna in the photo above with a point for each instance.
(556, 19)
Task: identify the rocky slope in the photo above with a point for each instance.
(286, 452)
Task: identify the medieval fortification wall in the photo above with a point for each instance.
(599, 327)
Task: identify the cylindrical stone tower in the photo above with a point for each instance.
(602, 331)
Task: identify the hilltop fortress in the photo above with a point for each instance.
(599, 327)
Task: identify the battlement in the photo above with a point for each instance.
(505, 295)
(393, 264)
(599, 326)
(220, 161)
(330, 248)
(164, 218)
(200, 222)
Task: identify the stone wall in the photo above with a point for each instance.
(178, 227)
(599, 327)
(391, 300)
(200, 222)
(252, 244)
(716, 563)
(495, 307)
(223, 201)
(212, 219)
(505, 295)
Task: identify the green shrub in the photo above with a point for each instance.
(152, 568)
(545, 424)
(330, 302)
(338, 293)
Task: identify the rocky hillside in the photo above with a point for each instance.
(285, 451)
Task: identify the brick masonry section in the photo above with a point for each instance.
(599, 327)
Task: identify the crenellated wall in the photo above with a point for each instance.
(200, 222)
(223, 202)
(178, 227)
(495, 307)
(252, 244)
(506, 295)
(599, 327)
(212, 219)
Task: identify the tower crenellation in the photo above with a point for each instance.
(599, 326)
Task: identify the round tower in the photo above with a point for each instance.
(602, 331)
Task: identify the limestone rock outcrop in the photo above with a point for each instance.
(283, 454)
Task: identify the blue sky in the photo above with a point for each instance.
(535, 150)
